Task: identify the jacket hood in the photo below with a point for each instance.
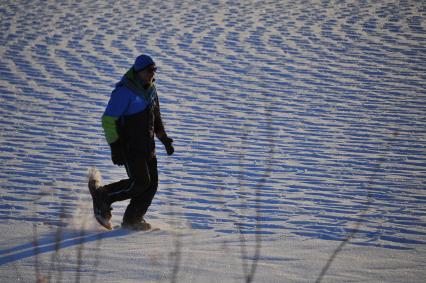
(130, 76)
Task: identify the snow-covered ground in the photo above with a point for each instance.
(299, 130)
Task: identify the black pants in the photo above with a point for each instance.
(140, 188)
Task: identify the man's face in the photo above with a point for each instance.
(147, 74)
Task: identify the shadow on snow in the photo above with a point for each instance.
(51, 243)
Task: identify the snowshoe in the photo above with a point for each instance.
(139, 226)
(101, 209)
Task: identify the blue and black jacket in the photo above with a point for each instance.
(133, 117)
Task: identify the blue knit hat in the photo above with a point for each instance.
(142, 61)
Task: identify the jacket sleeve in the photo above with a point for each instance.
(116, 107)
(109, 124)
(159, 130)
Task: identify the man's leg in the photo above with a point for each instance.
(139, 204)
(138, 182)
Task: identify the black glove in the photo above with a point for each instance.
(117, 155)
(168, 145)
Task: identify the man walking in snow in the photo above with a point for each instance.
(130, 122)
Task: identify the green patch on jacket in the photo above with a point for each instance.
(110, 128)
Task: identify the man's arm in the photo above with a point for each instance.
(159, 130)
(109, 124)
(117, 106)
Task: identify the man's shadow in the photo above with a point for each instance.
(56, 241)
